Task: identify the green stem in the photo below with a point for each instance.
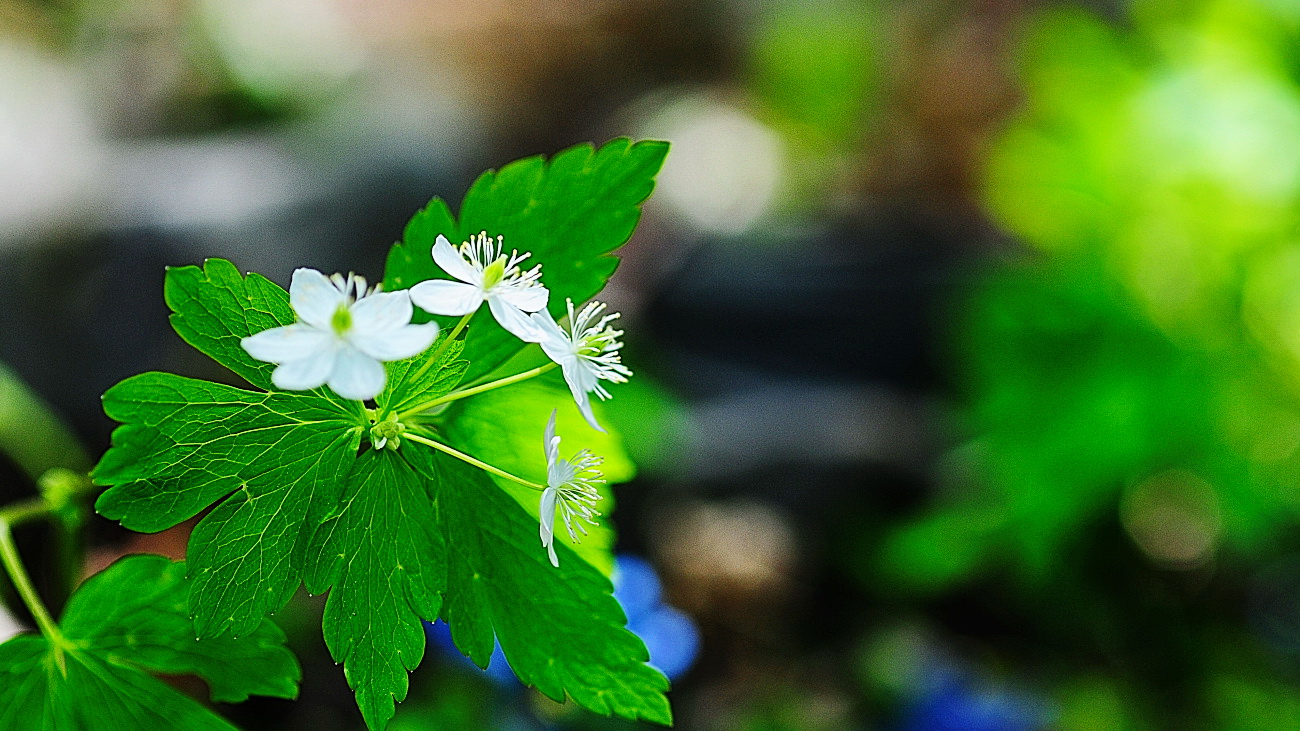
(40, 444)
(19, 513)
(18, 575)
(479, 464)
(442, 348)
(63, 492)
(454, 395)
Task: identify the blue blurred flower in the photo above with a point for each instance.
(498, 669)
(669, 634)
(950, 700)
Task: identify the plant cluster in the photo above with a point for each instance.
(395, 446)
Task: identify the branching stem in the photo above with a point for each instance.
(18, 575)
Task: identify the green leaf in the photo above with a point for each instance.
(570, 213)
(413, 381)
(137, 611)
(383, 556)
(121, 624)
(560, 628)
(272, 462)
(213, 308)
(504, 428)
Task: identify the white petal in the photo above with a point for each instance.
(382, 311)
(304, 374)
(446, 256)
(579, 377)
(552, 339)
(546, 511)
(581, 381)
(513, 320)
(528, 299)
(546, 527)
(356, 375)
(282, 344)
(396, 344)
(314, 297)
(445, 297)
(584, 406)
(551, 443)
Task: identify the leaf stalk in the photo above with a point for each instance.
(464, 393)
(477, 463)
(18, 574)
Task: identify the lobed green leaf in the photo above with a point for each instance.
(121, 624)
(137, 612)
(570, 213)
(382, 558)
(560, 628)
(272, 461)
(213, 308)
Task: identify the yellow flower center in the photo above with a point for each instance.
(342, 320)
(494, 272)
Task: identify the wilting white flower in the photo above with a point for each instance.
(485, 273)
(587, 352)
(570, 490)
(343, 334)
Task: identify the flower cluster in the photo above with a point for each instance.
(346, 332)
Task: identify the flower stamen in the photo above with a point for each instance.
(570, 491)
(587, 348)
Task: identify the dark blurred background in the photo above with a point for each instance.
(967, 334)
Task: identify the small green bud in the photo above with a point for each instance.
(60, 487)
(387, 434)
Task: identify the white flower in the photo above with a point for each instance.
(570, 489)
(485, 273)
(587, 352)
(343, 334)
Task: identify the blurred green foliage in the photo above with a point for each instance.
(813, 76)
(1156, 329)
(1132, 378)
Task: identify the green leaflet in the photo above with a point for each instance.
(121, 624)
(561, 629)
(504, 428)
(410, 530)
(272, 461)
(213, 308)
(403, 393)
(570, 213)
(137, 610)
(383, 556)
